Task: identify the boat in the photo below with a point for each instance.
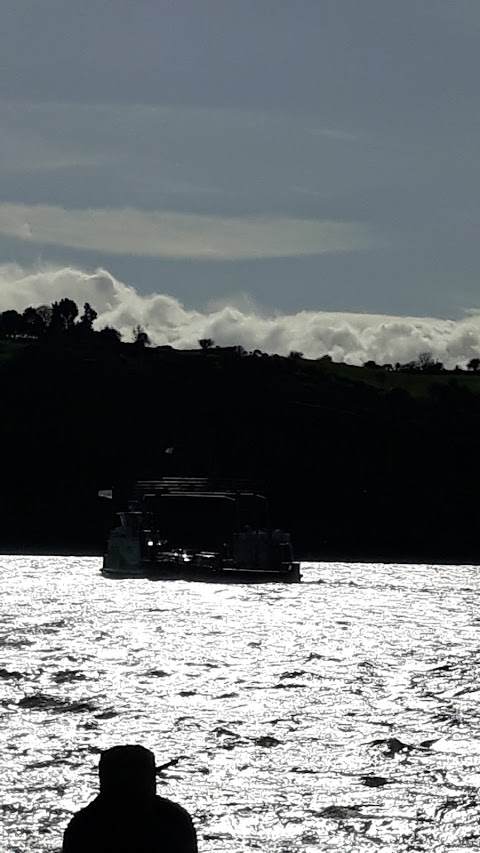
(181, 528)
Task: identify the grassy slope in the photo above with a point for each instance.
(416, 384)
(307, 371)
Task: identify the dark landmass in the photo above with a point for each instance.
(359, 463)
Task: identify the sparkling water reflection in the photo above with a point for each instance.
(339, 714)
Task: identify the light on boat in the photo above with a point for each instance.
(150, 543)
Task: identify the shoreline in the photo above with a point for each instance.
(305, 557)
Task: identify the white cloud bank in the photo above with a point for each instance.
(354, 338)
(163, 234)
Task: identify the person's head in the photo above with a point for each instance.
(127, 772)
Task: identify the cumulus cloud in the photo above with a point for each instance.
(354, 338)
(164, 234)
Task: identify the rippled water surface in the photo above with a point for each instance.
(338, 714)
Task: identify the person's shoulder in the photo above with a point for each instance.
(90, 809)
(78, 827)
(167, 808)
(177, 823)
(84, 814)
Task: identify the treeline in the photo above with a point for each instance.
(426, 364)
(63, 321)
(60, 320)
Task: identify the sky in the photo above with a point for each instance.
(292, 174)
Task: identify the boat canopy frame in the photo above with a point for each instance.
(252, 506)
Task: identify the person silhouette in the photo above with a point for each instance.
(127, 816)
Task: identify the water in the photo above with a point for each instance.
(285, 705)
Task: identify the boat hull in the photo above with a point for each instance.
(220, 575)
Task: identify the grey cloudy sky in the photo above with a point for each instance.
(290, 154)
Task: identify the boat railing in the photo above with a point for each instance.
(197, 485)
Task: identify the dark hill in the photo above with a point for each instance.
(358, 463)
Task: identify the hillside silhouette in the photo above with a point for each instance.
(373, 462)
